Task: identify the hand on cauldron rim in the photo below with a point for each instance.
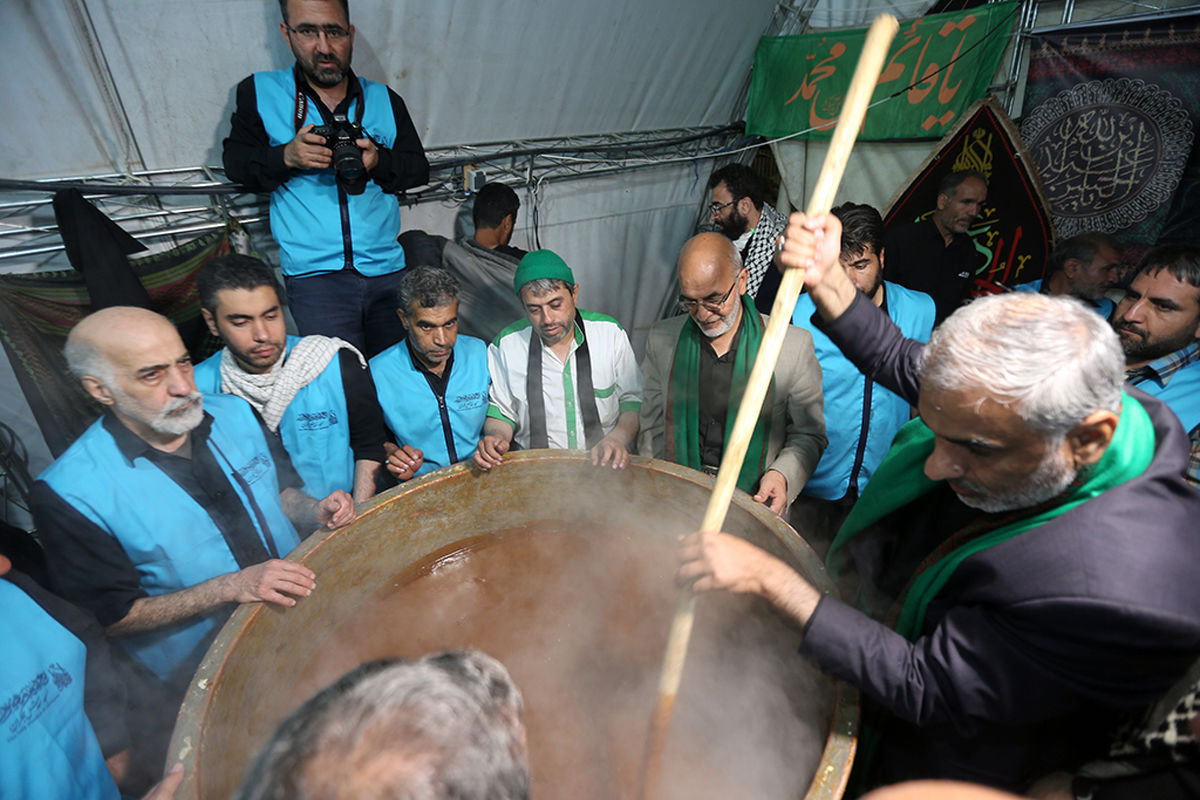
(711, 561)
(490, 450)
(272, 581)
(772, 490)
(404, 461)
(610, 449)
(336, 510)
(166, 788)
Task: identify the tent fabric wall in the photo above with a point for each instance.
(873, 174)
(471, 71)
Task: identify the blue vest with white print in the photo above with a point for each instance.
(315, 428)
(306, 209)
(49, 748)
(169, 538)
(411, 408)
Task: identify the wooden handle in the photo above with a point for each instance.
(854, 109)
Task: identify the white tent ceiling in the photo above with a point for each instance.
(100, 87)
(111, 85)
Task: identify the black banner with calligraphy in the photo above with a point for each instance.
(1013, 231)
(1110, 121)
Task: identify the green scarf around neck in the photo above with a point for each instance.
(901, 479)
(684, 401)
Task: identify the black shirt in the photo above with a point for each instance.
(367, 428)
(438, 384)
(917, 257)
(509, 250)
(716, 379)
(90, 568)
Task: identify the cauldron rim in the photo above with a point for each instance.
(833, 769)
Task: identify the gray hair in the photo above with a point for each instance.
(84, 358)
(1052, 359)
(427, 287)
(447, 726)
(1082, 247)
(541, 286)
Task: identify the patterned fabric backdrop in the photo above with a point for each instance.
(1110, 121)
(37, 311)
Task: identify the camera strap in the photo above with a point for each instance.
(300, 107)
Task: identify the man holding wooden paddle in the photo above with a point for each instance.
(1024, 551)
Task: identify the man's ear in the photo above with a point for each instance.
(745, 210)
(1072, 266)
(507, 226)
(96, 388)
(1089, 439)
(211, 322)
(403, 318)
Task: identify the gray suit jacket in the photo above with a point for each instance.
(797, 416)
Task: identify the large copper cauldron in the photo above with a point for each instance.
(564, 572)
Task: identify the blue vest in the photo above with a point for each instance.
(306, 213)
(411, 408)
(169, 538)
(844, 389)
(1104, 307)
(47, 746)
(315, 428)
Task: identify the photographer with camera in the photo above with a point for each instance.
(333, 150)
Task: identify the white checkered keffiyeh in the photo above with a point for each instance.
(271, 392)
(760, 252)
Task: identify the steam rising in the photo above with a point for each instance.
(580, 617)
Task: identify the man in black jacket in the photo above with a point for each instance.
(1026, 547)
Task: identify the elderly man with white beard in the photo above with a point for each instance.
(174, 505)
(1026, 549)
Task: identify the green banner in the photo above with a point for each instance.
(936, 68)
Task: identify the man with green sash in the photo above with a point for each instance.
(562, 377)
(1025, 552)
(696, 368)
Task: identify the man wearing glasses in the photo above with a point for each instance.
(738, 211)
(695, 371)
(333, 150)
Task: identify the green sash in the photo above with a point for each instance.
(683, 406)
(901, 479)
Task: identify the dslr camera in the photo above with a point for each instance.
(348, 168)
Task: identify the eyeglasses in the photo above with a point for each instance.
(309, 33)
(715, 208)
(690, 305)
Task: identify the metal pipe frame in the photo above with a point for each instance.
(141, 201)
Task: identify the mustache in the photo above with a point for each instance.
(179, 402)
(1129, 326)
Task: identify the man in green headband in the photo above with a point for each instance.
(1025, 552)
(696, 368)
(562, 377)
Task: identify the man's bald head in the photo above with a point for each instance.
(98, 337)
(708, 255)
(133, 361)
